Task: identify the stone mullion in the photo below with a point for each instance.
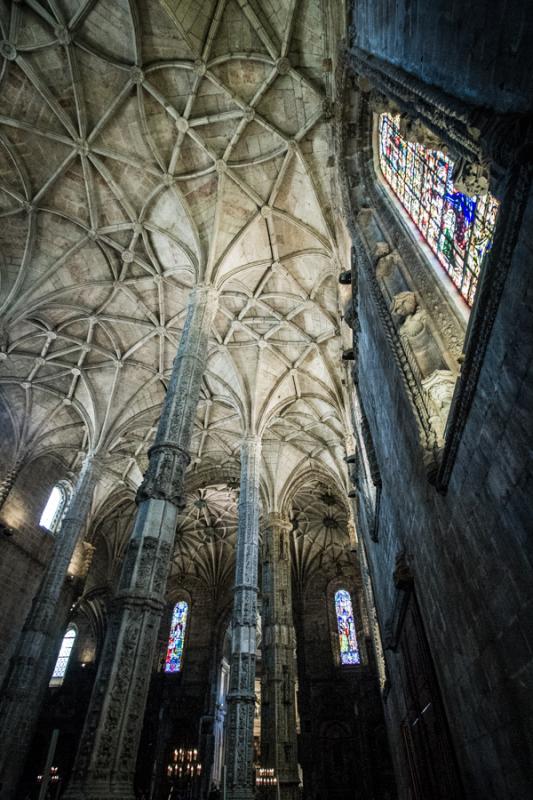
(278, 720)
(107, 755)
(241, 695)
(31, 666)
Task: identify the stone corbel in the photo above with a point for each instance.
(402, 575)
(81, 560)
(404, 582)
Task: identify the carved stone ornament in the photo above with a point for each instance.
(380, 104)
(164, 477)
(440, 387)
(414, 130)
(402, 575)
(471, 178)
(385, 265)
(404, 304)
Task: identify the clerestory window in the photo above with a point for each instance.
(58, 675)
(176, 640)
(55, 508)
(349, 650)
(459, 229)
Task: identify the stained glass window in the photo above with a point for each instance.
(458, 228)
(60, 668)
(54, 508)
(177, 637)
(346, 628)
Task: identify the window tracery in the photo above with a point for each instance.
(173, 661)
(349, 650)
(67, 645)
(458, 228)
(55, 508)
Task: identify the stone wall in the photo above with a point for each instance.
(343, 749)
(482, 56)
(466, 548)
(24, 554)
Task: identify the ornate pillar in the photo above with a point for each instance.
(105, 763)
(278, 712)
(241, 695)
(8, 481)
(32, 664)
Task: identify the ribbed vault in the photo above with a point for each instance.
(145, 147)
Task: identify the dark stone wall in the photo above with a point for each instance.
(25, 554)
(478, 52)
(470, 550)
(343, 749)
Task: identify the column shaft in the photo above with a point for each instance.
(106, 759)
(278, 712)
(32, 664)
(241, 695)
(8, 481)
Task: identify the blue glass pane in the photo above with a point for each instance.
(346, 628)
(177, 637)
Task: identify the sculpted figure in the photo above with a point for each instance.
(404, 304)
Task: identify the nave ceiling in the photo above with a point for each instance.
(146, 147)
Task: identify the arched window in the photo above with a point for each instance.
(349, 650)
(458, 228)
(58, 675)
(177, 637)
(54, 508)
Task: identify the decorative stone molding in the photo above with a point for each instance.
(488, 296)
(163, 479)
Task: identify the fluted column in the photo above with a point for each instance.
(241, 695)
(278, 712)
(32, 664)
(105, 763)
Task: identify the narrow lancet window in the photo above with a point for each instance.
(54, 509)
(176, 639)
(459, 229)
(349, 651)
(58, 675)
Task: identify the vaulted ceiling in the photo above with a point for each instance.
(145, 146)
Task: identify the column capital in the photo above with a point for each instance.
(276, 519)
(204, 292)
(251, 440)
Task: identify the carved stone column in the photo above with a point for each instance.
(278, 712)
(105, 763)
(241, 695)
(32, 664)
(8, 481)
